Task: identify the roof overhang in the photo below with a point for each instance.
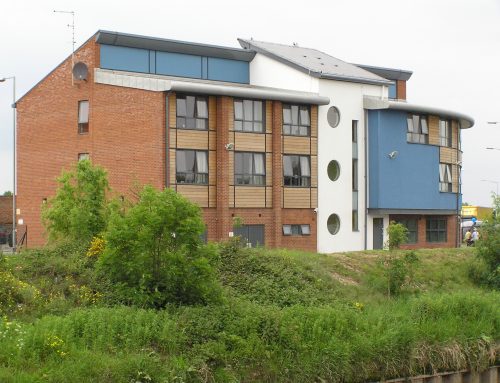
(383, 211)
(166, 45)
(388, 73)
(158, 83)
(374, 103)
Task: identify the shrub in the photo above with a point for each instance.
(154, 254)
(398, 271)
(398, 234)
(488, 247)
(79, 209)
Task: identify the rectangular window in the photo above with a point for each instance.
(296, 120)
(417, 129)
(83, 156)
(249, 169)
(436, 230)
(355, 214)
(249, 116)
(296, 230)
(83, 117)
(445, 180)
(192, 112)
(191, 167)
(296, 171)
(412, 225)
(445, 133)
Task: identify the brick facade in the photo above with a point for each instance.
(6, 210)
(128, 137)
(451, 231)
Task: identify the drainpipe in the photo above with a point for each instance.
(365, 141)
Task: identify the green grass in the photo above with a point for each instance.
(286, 316)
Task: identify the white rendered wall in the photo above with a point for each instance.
(268, 72)
(335, 197)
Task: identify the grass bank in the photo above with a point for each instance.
(286, 316)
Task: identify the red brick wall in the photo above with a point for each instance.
(451, 235)
(401, 89)
(5, 210)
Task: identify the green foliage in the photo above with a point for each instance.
(79, 209)
(398, 234)
(279, 277)
(398, 273)
(8, 193)
(154, 255)
(488, 247)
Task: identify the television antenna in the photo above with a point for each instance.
(73, 42)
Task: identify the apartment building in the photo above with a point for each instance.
(309, 151)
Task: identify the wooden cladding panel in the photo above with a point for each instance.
(250, 196)
(212, 194)
(269, 197)
(212, 113)
(314, 146)
(314, 121)
(314, 171)
(269, 169)
(172, 110)
(192, 139)
(454, 179)
(195, 193)
(296, 197)
(172, 169)
(296, 145)
(212, 140)
(314, 198)
(212, 168)
(269, 116)
(249, 142)
(447, 155)
(433, 124)
(269, 143)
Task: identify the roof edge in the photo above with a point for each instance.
(168, 45)
(388, 73)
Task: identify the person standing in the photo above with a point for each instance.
(475, 236)
(468, 238)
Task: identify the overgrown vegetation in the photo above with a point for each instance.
(142, 300)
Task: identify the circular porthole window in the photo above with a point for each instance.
(333, 170)
(333, 224)
(333, 116)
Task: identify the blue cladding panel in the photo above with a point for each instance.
(204, 67)
(178, 64)
(409, 181)
(152, 61)
(392, 91)
(228, 70)
(126, 59)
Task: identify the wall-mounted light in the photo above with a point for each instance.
(392, 155)
(229, 146)
(44, 200)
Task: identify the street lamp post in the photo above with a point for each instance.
(13, 78)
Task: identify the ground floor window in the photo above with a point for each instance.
(436, 230)
(411, 225)
(296, 229)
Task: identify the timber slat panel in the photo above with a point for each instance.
(454, 178)
(192, 139)
(212, 196)
(314, 171)
(212, 168)
(269, 169)
(296, 197)
(314, 121)
(212, 113)
(296, 145)
(250, 196)
(213, 140)
(447, 155)
(249, 142)
(172, 166)
(172, 110)
(195, 193)
(433, 125)
(314, 198)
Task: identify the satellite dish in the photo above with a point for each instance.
(80, 71)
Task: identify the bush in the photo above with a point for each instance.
(488, 247)
(397, 272)
(154, 254)
(398, 234)
(79, 209)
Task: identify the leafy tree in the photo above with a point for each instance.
(79, 209)
(154, 255)
(8, 193)
(488, 247)
(398, 234)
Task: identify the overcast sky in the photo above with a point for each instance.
(452, 47)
